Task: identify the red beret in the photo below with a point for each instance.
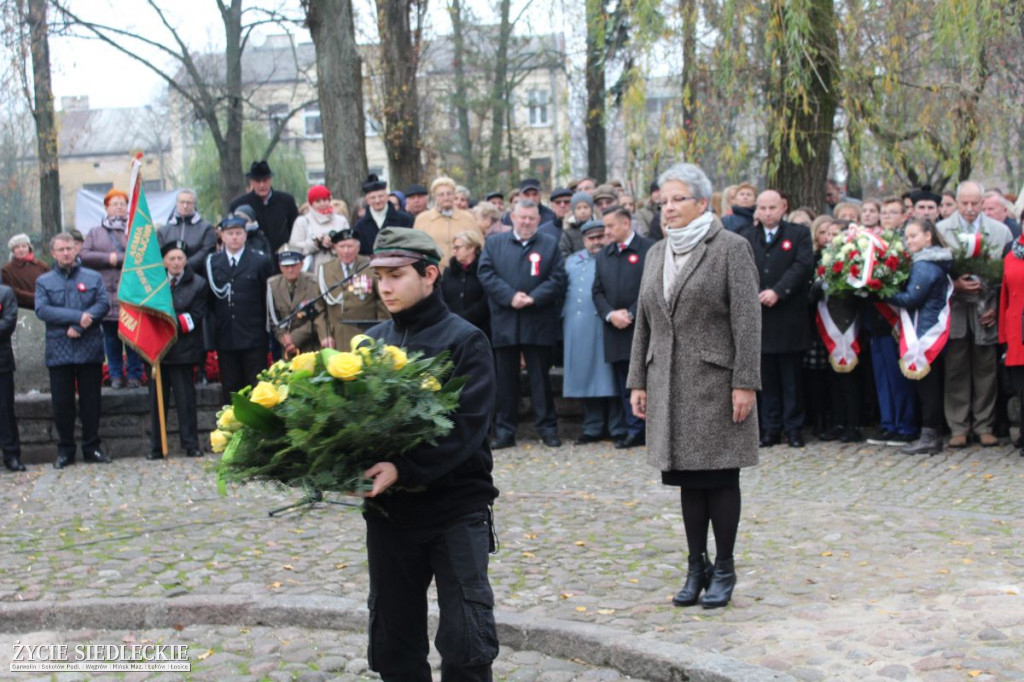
(114, 193)
(318, 192)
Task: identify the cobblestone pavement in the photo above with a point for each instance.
(855, 562)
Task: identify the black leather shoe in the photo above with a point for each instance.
(155, 455)
(698, 576)
(769, 439)
(96, 457)
(551, 441)
(587, 438)
(194, 453)
(13, 463)
(63, 461)
(835, 433)
(631, 441)
(851, 435)
(723, 580)
(502, 443)
(795, 439)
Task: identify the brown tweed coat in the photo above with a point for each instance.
(689, 353)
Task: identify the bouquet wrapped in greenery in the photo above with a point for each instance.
(971, 256)
(862, 263)
(321, 420)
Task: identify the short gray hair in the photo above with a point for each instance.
(464, 191)
(965, 183)
(527, 203)
(690, 175)
(186, 191)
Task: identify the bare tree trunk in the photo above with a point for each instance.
(469, 163)
(688, 12)
(597, 161)
(399, 60)
(230, 144)
(802, 126)
(340, 86)
(499, 105)
(46, 126)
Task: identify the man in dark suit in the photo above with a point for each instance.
(380, 213)
(177, 368)
(620, 266)
(275, 211)
(785, 260)
(523, 273)
(238, 286)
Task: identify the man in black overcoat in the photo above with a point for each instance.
(275, 210)
(177, 368)
(238, 298)
(380, 213)
(785, 260)
(619, 268)
(523, 273)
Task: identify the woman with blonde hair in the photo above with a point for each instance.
(459, 284)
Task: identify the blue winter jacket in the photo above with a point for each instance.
(61, 298)
(925, 291)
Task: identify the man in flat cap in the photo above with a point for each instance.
(275, 211)
(416, 198)
(177, 368)
(428, 515)
(350, 293)
(291, 290)
(380, 213)
(497, 199)
(238, 276)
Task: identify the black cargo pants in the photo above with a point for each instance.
(402, 564)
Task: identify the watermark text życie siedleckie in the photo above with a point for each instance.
(100, 657)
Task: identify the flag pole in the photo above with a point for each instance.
(160, 408)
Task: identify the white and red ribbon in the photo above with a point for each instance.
(917, 353)
(186, 323)
(842, 346)
(973, 244)
(876, 247)
(535, 264)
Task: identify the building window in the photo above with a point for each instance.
(316, 177)
(153, 186)
(311, 116)
(98, 187)
(537, 101)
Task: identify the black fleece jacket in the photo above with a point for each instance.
(441, 482)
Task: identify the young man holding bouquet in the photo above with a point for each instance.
(428, 512)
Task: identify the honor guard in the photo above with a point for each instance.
(292, 290)
(350, 293)
(238, 276)
(177, 368)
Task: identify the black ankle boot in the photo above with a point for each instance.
(13, 463)
(698, 575)
(723, 580)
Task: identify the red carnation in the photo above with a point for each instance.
(874, 284)
(837, 267)
(821, 271)
(892, 262)
(855, 270)
(854, 254)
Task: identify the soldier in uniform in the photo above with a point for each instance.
(355, 300)
(177, 368)
(428, 514)
(238, 278)
(287, 292)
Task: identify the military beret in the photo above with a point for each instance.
(342, 235)
(398, 246)
(171, 246)
(591, 225)
(415, 190)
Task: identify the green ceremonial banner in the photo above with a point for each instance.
(147, 321)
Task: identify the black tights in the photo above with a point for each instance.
(721, 507)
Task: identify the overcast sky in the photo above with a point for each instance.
(111, 79)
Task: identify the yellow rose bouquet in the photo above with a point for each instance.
(322, 419)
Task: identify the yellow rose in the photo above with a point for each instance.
(226, 421)
(398, 357)
(305, 362)
(219, 440)
(265, 394)
(430, 383)
(346, 366)
(359, 340)
(282, 392)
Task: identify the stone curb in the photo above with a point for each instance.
(630, 654)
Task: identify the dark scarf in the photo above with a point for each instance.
(425, 313)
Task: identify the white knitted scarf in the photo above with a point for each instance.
(681, 241)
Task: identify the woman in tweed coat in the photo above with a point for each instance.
(694, 371)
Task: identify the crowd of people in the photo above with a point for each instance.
(549, 284)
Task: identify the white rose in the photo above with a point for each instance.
(826, 258)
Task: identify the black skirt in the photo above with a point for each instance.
(1016, 374)
(702, 479)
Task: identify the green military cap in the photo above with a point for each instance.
(398, 246)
